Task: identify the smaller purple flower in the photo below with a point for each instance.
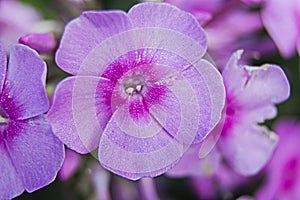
(283, 171)
(251, 95)
(30, 154)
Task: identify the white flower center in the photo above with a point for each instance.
(134, 85)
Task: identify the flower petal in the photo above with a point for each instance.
(10, 184)
(2, 66)
(85, 33)
(248, 149)
(208, 86)
(267, 84)
(158, 15)
(191, 165)
(36, 153)
(24, 94)
(282, 26)
(81, 108)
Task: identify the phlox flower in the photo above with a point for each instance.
(30, 154)
(141, 91)
(282, 172)
(281, 19)
(251, 95)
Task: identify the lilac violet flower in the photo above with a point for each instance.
(251, 95)
(140, 90)
(30, 154)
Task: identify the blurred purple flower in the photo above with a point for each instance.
(141, 90)
(16, 19)
(222, 183)
(30, 154)
(281, 19)
(230, 25)
(251, 95)
(283, 171)
(41, 42)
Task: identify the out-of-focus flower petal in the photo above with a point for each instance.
(282, 173)
(70, 165)
(16, 19)
(282, 26)
(190, 165)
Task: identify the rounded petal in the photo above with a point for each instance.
(80, 112)
(84, 34)
(267, 84)
(10, 183)
(23, 95)
(248, 149)
(36, 153)
(166, 16)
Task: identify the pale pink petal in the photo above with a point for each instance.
(248, 148)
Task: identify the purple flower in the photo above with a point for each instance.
(251, 95)
(281, 19)
(283, 171)
(30, 154)
(141, 92)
